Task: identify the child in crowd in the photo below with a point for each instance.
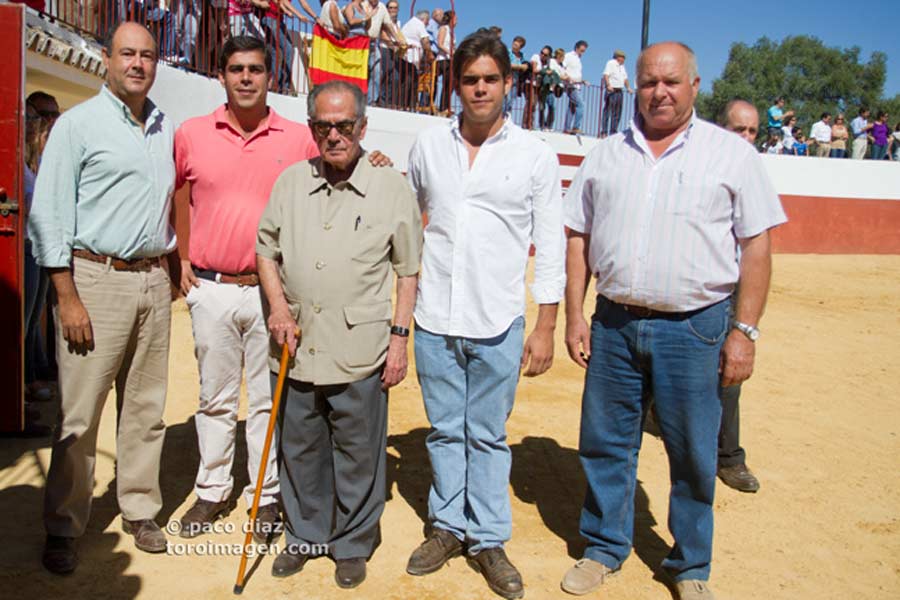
(801, 147)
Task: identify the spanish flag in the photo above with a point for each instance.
(347, 60)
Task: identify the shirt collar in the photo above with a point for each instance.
(273, 120)
(359, 179)
(637, 137)
(151, 112)
(502, 134)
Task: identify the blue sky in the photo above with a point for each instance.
(708, 26)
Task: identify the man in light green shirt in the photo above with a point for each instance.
(334, 229)
(100, 224)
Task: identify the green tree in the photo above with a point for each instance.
(812, 78)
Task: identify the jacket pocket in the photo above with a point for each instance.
(368, 332)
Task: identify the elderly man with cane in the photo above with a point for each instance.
(333, 229)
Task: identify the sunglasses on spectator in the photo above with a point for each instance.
(323, 128)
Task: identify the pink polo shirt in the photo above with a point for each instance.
(231, 179)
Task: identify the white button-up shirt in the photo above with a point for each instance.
(821, 132)
(615, 74)
(664, 230)
(414, 31)
(572, 65)
(481, 222)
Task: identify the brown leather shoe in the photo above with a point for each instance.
(199, 518)
(434, 552)
(349, 572)
(147, 535)
(59, 555)
(739, 477)
(268, 525)
(288, 562)
(501, 576)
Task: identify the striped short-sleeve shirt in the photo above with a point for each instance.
(664, 231)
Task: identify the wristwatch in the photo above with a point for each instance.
(401, 331)
(750, 331)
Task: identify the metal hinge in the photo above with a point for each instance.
(8, 207)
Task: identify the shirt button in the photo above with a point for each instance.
(320, 265)
(327, 226)
(317, 309)
(312, 351)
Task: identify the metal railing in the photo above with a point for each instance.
(191, 33)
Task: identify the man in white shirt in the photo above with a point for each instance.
(660, 232)
(574, 80)
(860, 128)
(821, 134)
(615, 78)
(419, 46)
(490, 190)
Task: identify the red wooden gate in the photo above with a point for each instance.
(12, 145)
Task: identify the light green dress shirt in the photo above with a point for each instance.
(105, 185)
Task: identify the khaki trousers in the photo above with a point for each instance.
(860, 145)
(130, 315)
(822, 149)
(230, 332)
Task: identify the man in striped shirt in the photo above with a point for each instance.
(657, 215)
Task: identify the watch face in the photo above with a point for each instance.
(753, 334)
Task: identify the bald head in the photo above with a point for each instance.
(741, 117)
(667, 85)
(677, 50)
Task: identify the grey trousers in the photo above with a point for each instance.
(730, 451)
(332, 445)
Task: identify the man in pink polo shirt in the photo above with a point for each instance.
(232, 158)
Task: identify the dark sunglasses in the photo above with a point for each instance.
(323, 128)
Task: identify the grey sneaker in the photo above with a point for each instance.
(586, 576)
(693, 589)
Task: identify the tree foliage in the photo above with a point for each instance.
(811, 77)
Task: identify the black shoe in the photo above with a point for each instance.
(268, 525)
(739, 477)
(59, 555)
(199, 518)
(147, 535)
(501, 576)
(349, 572)
(434, 552)
(287, 563)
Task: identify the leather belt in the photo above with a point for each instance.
(642, 312)
(119, 264)
(242, 279)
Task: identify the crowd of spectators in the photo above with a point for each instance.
(830, 136)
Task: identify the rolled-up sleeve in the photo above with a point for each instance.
(406, 241)
(268, 235)
(547, 231)
(51, 222)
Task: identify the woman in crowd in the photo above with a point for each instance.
(773, 144)
(358, 15)
(446, 43)
(787, 134)
(839, 136)
(895, 143)
(880, 132)
(332, 19)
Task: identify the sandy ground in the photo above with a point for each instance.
(821, 426)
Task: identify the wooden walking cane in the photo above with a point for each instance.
(276, 402)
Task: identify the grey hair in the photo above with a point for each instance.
(336, 86)
(693, 72)
(423, 14)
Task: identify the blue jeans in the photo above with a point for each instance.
(837, 153)
(612, 112)
(165, 30)
(282, 53)
(677, 359)
(379, 64)
(879, 152)
(575, 113)
(35, 288)
(469, 386)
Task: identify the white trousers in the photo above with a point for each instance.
(860, 145)
(230, 332)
